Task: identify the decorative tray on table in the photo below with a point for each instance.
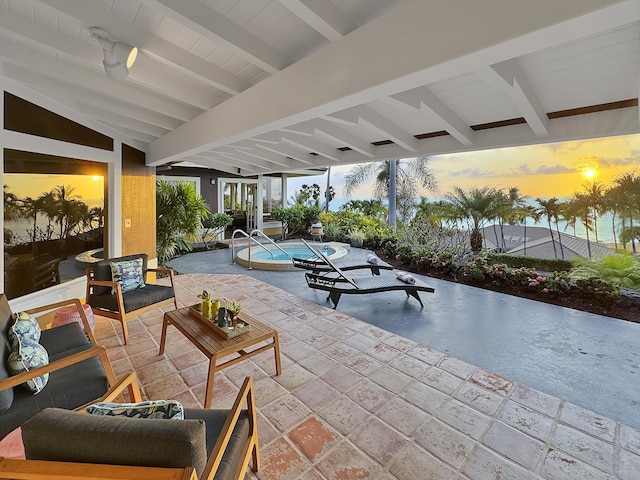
(195, 311)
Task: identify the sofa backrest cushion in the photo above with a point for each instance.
(6, 318)
(63, 435)
(102, 270)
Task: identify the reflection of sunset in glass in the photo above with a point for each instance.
(89, 189)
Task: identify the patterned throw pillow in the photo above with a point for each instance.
(24, 326)
(25, 356)
(128, 274)
(161, 409)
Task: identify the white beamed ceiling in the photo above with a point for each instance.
(263, 86)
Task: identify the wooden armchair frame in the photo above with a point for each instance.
(49, 470)
(121, 314)
(115, 387)
(95, 351)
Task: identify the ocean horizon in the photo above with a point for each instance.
(605, 232)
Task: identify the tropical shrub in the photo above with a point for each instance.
(500, 274)
(601, 292)
(331, 230)
(544, 264)
(476, 270)
(298, 219)
(357, 234)
(526, 277)
(406, 254)
(432, 247)
(445, 261)
(530, 279)
(389, 246)
(214, 224)
(345, 221)
(179, 213)
(620, 269)
(557, 283)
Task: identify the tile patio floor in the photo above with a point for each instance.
(357, 402)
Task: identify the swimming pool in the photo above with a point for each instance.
(274, 259)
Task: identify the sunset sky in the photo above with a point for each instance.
(90, 189)
(538, 171)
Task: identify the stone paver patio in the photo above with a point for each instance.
(355, 401)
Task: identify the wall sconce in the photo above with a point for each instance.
(118, 56)
(212, 181)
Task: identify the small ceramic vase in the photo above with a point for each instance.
(206, 308)
(233, 319)
(222, 317)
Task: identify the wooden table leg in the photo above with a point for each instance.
(276, 352)
(163, 336)
(208, 396)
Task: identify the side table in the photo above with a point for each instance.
(215, 347)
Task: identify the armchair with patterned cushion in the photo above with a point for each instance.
(205, 444)
(118, 288)
(57, 367)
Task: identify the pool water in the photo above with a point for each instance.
(298, 252)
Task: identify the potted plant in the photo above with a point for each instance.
(331, 232)
(234, 309)
(357, 237)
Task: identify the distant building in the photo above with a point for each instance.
(539, 243)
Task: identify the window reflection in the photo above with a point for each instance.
(50, 218)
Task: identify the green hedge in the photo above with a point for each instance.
(544, 264)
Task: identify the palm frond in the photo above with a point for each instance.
(358, 175)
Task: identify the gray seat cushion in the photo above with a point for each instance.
(70, 387)
(133, 299)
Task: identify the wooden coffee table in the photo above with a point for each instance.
(216, 347)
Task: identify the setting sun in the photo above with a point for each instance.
(589, 173)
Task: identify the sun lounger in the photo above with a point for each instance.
(319, 265)
(341, 283)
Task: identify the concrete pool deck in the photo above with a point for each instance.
(587, 359)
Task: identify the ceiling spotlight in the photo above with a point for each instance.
(118, 56)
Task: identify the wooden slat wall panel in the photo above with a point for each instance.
(138, 203)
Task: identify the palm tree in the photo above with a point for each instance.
(595, 196)
(507, 205)
(629, 185)
(96, 216)
(30, 209)
(570, 215)
(551, 209)
(50, 205)
(429, 212)
(369, 208)
(474, 206)
(76, 213)
(614, 202)
(522, 213)
(409, 173)
(179, 212)
(11, 205)
(66, 207)
(581, 204)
